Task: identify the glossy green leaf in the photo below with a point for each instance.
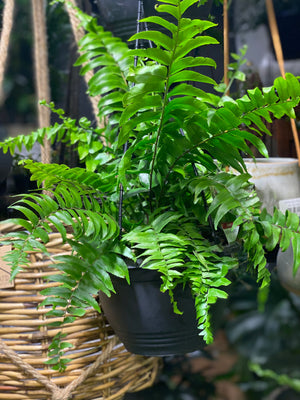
(170, 9)
(193, 44)
(159, 38)
(156, 54)
(186, 76)
(161, 22)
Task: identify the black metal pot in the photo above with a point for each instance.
(143, 317)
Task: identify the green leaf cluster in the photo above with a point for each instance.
(184, 256)
(281, 379)
(57, 351)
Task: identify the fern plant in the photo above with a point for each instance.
(155, 182)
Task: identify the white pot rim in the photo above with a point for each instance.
(271, 160)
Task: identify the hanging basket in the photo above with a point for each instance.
(101, 368)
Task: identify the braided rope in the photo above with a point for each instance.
(78, 33)
(57, 393)
(280, 60)
(8, 14)
(43, 92)
(25, 367)
(41, 71)
(65, 393)
(226, 43)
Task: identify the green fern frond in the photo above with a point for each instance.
(83, 275)
(110, 60)
(230, 192)
(215, 130)
(205, 271)
(232, 199)
(79, 134)
(51, 174)
(283, 230)
(148, 103)
(175, 247)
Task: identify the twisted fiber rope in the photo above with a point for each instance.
(226, 42)
(78, 33)
(7, 23)
(57, 393)
(41, 71)
(279, 56)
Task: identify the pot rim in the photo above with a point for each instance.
(271, 160)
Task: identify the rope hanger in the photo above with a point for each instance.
(41, 71)
(78, 33)
(8, 14)
(58, 393)
(41, 65)
(43, 92)
(226, 43)
(280, 60)
(107, 353)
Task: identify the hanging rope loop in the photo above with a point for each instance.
(7, 23)
(41, 71)
(279, 56)
(78, 33)
(57, 393)
(226, 44)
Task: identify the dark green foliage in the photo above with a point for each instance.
(56, 352)
(172, 216)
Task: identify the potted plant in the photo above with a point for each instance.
(155, 190)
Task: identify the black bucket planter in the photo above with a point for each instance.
(143, 317)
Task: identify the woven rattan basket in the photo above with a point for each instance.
(100, 368)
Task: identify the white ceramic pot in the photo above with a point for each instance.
(275, 179)
(286, 277)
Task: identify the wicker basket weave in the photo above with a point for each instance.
(100, 368)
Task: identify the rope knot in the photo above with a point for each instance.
(61, 394)
(56, 394)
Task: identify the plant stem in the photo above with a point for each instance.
(165, 101)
